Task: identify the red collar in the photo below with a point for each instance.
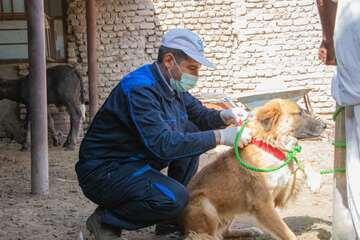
(267, 147)
(270, 149)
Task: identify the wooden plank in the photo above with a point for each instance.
(342, 224)
(13, 37)
(14, 51)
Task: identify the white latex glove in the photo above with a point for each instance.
(233, 115)
(227, 136)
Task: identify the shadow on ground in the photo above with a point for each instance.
(302, 224)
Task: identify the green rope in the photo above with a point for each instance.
(290, 156)
(331, 171)
(339, 144)
(337, 111)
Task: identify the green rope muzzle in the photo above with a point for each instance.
(290, 156)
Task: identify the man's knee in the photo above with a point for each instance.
(180, 203)
(183, 198)
(176, 198)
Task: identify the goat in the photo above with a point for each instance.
(64, 88)
(10, 123)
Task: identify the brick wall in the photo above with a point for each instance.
(250, 41)
(128, 36)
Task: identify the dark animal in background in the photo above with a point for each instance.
(11, 126)
(64, 88)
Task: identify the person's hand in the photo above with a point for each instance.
(234, 115)
(327, 53)
(227, 136)
(313, 178)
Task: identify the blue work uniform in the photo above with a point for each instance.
(143, 127)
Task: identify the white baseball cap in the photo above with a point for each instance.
(187, 41)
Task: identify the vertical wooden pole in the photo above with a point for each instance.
(38, 97)
(91, 51)
(342, 224)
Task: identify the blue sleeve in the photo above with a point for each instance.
(157, 136)
(203, 117)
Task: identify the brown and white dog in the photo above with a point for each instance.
(224, 190)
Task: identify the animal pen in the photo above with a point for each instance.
(38, 102)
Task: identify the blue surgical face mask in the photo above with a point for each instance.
(186, 82)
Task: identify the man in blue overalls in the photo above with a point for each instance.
(149, 122)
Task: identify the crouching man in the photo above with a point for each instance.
(150, 121)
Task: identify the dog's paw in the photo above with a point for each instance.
(313, 179)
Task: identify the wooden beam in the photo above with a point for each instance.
(38, 98)
(91, 54)
(342, 223)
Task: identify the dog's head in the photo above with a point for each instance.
(281, 118)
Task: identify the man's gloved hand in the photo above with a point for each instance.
(227, 136)
(233, 115)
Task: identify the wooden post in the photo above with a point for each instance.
(91, 53)
(342, 224)
(38, 97)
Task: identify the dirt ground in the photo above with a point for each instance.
(62, 213)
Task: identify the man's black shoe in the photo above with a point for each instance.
(98, 231)
(167, 228)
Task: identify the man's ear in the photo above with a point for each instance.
(168, 60)
(268, 115)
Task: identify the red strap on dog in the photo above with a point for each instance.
(266, 147)
(270, 149)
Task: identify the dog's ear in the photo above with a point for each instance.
(268, 115)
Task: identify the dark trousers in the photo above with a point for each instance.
(143, 198)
